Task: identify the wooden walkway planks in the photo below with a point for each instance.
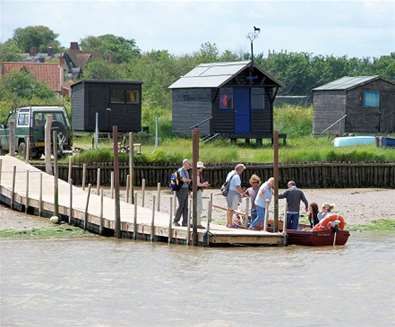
(218, 234)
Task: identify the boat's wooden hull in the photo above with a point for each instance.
(322, 238)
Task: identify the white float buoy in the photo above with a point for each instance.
(54, 219)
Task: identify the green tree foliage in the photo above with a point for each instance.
(112, 48)
(9, 51)
(101, 69)
(40, 37)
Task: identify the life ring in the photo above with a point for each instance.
(326, 223)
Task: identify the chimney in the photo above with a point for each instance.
(74, 46)
(33, 51)
(50, 52)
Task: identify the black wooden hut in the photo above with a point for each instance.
(234, 99)
(363, 104)
(117, 102)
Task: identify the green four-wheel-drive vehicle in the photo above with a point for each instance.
(30, 123)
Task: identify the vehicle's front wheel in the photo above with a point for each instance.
(22, 149)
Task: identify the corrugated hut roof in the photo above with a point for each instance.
(346, 83)
(213, 75)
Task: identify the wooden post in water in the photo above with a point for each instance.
(135, 218)
(40, 196)
(127, 188)
(131, 167)
(55, 175)
(209, 217)
(13, 187)
(285, 223)
(153, 219)
(189, 222)
(70, 201)
(27, 191)
(117, 216)
(276, 175)
(158, 195)
(143, 192)
(86, 207)
(27, 158)
(112, 184)
(98, 181)
(70, 169)
(47, 144)
(83, 176)
(169, 235)
(195, 159)
(101, 211)
(11, 138)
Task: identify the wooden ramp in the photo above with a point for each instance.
(218, 234)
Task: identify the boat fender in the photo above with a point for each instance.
(329, 222)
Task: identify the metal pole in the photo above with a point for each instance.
(70, 169)
(13, 187)
(97, 131)
(11, 137)
(27, 148)
(169, 235)
(117, 227)
(143, 192)
(98, 181)
(48, 126)
(55, 175)
(158, 196)
(195, 158)
(276, 175)
(83, 176)
(135, 230)
(131, 167)
(101, 211)
(40, 199)
(86, 207)
(156, 132)
(70, 200)
(27, 191)
(153, 219)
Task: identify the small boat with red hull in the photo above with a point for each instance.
(317, 238)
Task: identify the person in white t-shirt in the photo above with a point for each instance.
(235, 192)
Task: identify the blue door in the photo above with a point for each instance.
(242, 110)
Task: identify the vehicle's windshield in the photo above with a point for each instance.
(40, 118)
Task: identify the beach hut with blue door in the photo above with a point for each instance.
(230, 99)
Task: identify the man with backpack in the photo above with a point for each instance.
(233, 191)
(182, 192)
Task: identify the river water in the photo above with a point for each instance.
(105, 282)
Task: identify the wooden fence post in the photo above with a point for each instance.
(153, 219)
(195, 159)
(189, 222)
(127, 188)
(169, 236)
(98, 181)
(27, 191)
(86, 207)
(47, 144)
(11, 137)
(135, 229)
(83, 176)
(209, 217)
(276, 175)
(55, 175)
(40, 196)
(117, 215)
(13, 187)
(158, 195)
(143, 192)
(101, 211)
(70, 201)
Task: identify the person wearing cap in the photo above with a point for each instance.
(294, 196)
(235, 192)
(182, 194)
(262, 202)
(201, 185)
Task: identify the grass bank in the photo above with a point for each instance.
(60, 231)
(379, 225)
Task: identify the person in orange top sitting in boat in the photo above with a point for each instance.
(313, 214)
(326, 209)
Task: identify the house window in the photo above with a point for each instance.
(117, 95)
(23, 119)
(132, 96)
(226, 98)
(370, 99)
(257, 99)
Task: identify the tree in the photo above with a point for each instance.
(112, 48)
(9, 51)
(100, 69)
(40, 37)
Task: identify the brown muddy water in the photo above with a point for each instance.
(105, 282)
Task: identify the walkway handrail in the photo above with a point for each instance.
(201, 122)
(330, 126)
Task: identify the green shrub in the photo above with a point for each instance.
(293, 120)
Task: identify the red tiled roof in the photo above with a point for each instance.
(79, 58)
(50, 74)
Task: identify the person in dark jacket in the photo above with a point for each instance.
(294, 196)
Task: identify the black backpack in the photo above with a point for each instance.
(175, 181)
(225, 186)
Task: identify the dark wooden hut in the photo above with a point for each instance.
(117, 102)
(363, 104)
(233, 99)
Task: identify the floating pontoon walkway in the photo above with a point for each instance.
(29, 195)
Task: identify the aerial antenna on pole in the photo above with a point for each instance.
(252, 36)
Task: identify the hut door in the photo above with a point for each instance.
(242, 110)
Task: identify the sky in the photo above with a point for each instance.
(361, 28)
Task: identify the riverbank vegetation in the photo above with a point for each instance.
(58, 231)
(379, 225)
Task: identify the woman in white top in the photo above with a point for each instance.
(262, 202)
